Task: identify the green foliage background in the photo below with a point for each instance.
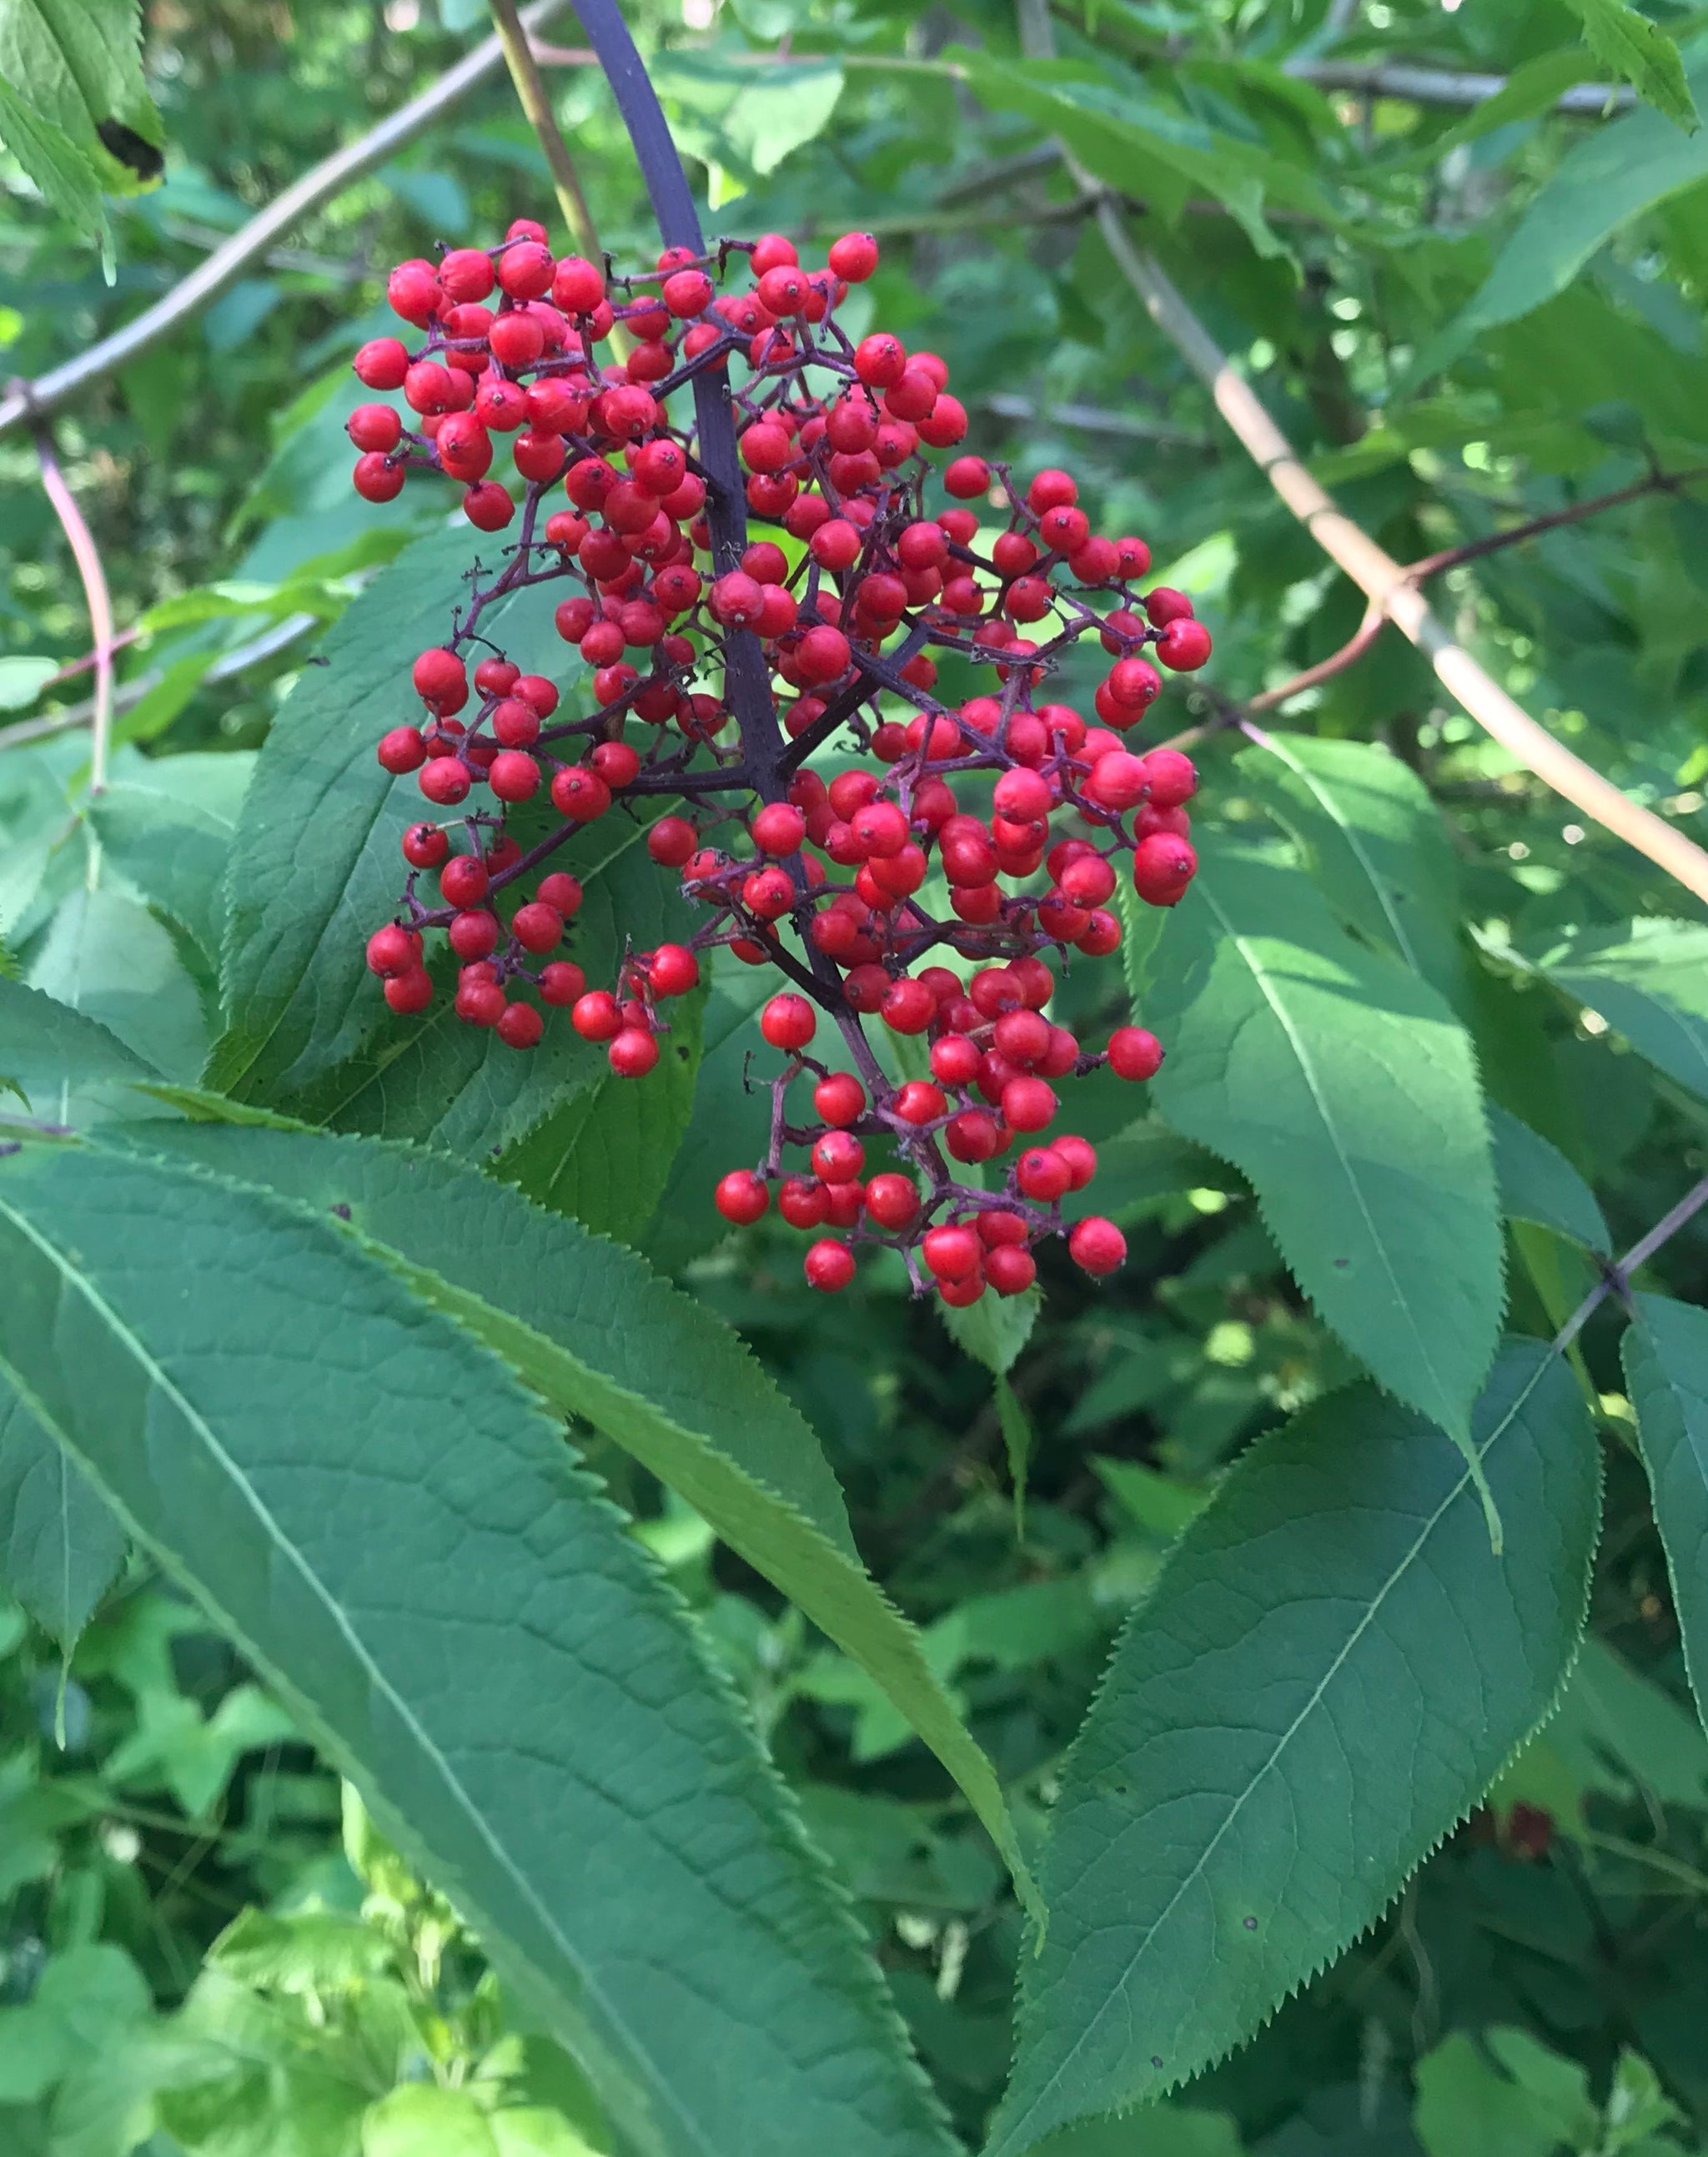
(1435, 1048)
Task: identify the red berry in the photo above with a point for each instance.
(1097, 1246)
(561, 892)
(1043, 1174)
(1163, 866)
(839, 1097)
(804, 1202)
(402, 749)
(513, 775)
(920, 1102)
(1010, 1270)
(633, 1053)
(955, 1060)
(479, 1001)
(562, 982)
(671, 840)
(1171, 778)
(1134, 1053)
(1080, 1157)
(779, 828)
(520, 1027)
(393, 950)
(673, 970)
(952, 1253)
(908, 1006)
(474, 934)
(444, 779)
(741, 1196)
(536, 927)
(1184, 646)
(425, 847)
(1028, 1103)
(853, 257)
(597, 1016)
(376, 479)
(789, 1022)
(409, 992)
(838, 1157)
(579, 794)
(463, 881)
(892, 1199)
(829, 1265)
(382, 363)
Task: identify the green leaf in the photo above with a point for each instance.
(76, 66)
(744, 118)
(1665, 1355)
(1649, 980)
(1538, 1183)
(1374, 842)
(1332, 1667)
(106, 957)
(365, 1500)
(994, 1330)
(1017, 1442)
(1614, 174)
(1469, 2108)
(318, 836)
(592, 1329)
(167, 828)
(1347, 1092)
(440, 1082)
(61, 1548)
(1638, 52)
(605, 1156)
(53, 162)
(1142, 147)
(52, 1054)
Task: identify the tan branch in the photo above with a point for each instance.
(1391, 587)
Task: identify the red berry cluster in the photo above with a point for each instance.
(990, 830)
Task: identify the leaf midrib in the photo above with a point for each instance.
(1260, 976)
(1275, 745)
(1458, 1489)
(73, 1279)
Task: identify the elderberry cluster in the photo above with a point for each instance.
(991, 832)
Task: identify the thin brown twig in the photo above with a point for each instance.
(1616, 1279)
(1451, 558)
(87, 556)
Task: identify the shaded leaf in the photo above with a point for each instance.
(1639, 52)
(1665, 1353)
(1649, 980)
(61, 1548)
(1332, 1667)
(167, 828)
(591, 1798)
(318, 836)
(107, 958)
(1538, 1183)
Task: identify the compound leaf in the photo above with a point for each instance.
(1331, 1669)
(365, 1500)
(598, 1334)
